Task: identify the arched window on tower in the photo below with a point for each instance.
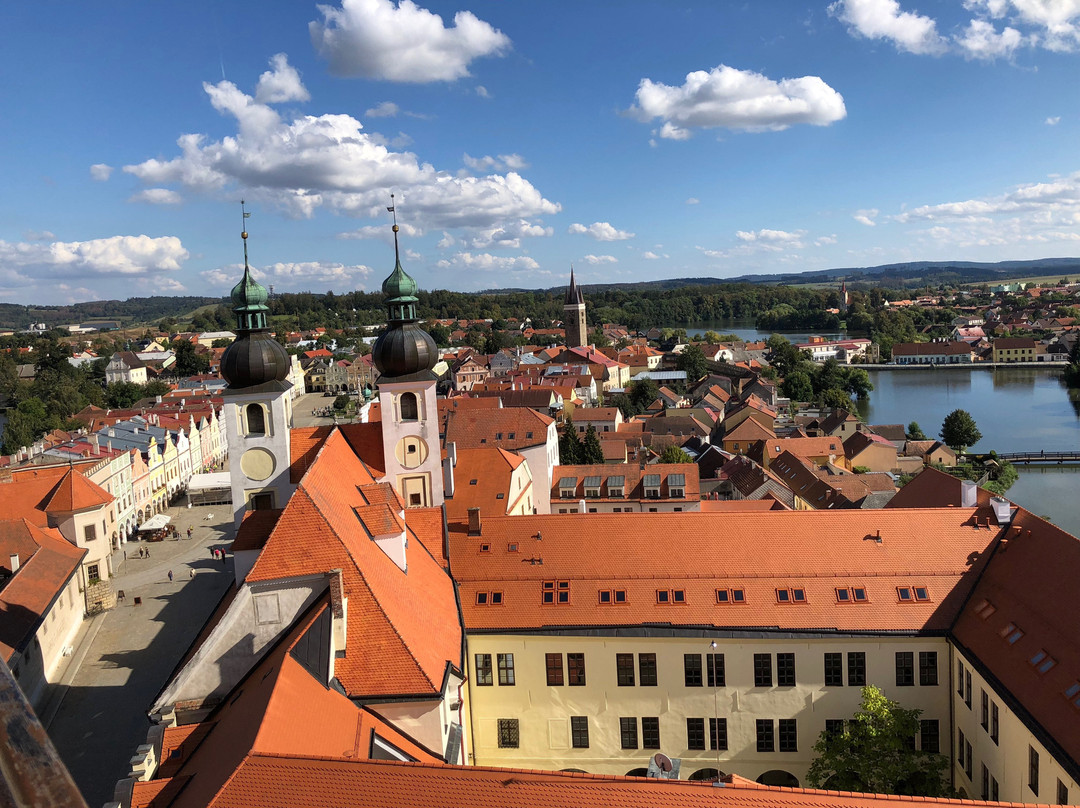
(409, 409)
(256, 419)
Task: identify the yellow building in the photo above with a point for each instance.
(598, 640)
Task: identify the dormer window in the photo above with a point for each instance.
(651, 485)
(676, 485)
(616, 487)
(567, 487)
(592, 487)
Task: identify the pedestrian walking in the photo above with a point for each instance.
(147, 552)
(213, 553)
(223, 562)
(191, 572)
(170, 576)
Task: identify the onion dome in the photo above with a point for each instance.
(404, 348)
(255, 357)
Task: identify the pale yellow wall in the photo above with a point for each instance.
(544, 711)
(1007, 760)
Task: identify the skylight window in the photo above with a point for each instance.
(737, 596)
(842, 595)
(904, 593)
(663, 596)
(605, 596)
(1011, 633)
(723, 596)
(783, 596)
(858, 594)
(985, 608)
(791, 596)
(1072, 690)
(1042, 662)
(921, 593)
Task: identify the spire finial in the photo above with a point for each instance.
(393, 210)
(243, 231)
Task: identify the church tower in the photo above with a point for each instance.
(577, 333)
(404, 355)
(258, 406)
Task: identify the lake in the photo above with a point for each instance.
(1016, 409)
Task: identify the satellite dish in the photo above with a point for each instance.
(662, 761)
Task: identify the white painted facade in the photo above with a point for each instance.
(411, 448)
(257, 431)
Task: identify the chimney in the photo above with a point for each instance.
(474, 522)
(1002, 510)
(14, 563)
(969, 494)
(95, 442)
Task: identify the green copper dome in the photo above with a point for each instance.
(399, 286)
(249, 292)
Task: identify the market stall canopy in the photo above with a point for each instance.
(155, 522)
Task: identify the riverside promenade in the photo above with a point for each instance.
(97, 712)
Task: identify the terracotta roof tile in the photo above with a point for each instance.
(255, 529)
(519, 428)
(812, 550)
(390, 647)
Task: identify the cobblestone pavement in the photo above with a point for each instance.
(304, 407)
(97, 713)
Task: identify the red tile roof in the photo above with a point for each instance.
(519, 427)
(255, 529)
(46, 563)
(390, 646)
(1030, 586)
(365, 440)
(644, 552)
(267, 781)
(483, 479)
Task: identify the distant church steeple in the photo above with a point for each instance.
(577, 333)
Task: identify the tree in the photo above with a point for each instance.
(642, 394)
(342, 402)
(857, 382)
(188, 362)
(592, 452)
(914, 432)
(797, 386)
(837, 400)
(874, 753)
(958, 430)
(693, 361)
(121, 395)
(675, 454)
(570, 448)
(598, 338)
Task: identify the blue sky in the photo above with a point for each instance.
(635, 140)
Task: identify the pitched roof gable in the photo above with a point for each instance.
(390, 648)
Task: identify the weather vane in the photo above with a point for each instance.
(393, 209)
(243, 230)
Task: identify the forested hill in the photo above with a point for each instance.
(135, 309)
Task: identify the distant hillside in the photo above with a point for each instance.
(903, 275)
(135, 309)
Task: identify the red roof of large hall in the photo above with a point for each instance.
(696, 554)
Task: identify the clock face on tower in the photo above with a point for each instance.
(411, 452)
(257, 464)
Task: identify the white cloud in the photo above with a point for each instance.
(127, 256)
(387, 109)
(981, 40)
(483, 91)
(600, 259)
(327, 161)
(650, 255)
(447, 241)
(1034, 213)
(824, 241)
(280, 84)
(504, 162)
(485, 262)
(101, 171)
(382, 232)
(1055, 21)
(736, 99)
(39, 235)
(377, 39)
(601, 231)
(157, 196)
(883, 19)
(866, 216)
(299, 275)
(693, 201)
(769, 236)
(508, 235)
(1053, 120)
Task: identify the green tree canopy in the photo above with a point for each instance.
(874, 753)
(188, 362)
(675, 454)
(958, 430)
(591, 450)
(570, 448)
(914, 432)
(693, 361)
